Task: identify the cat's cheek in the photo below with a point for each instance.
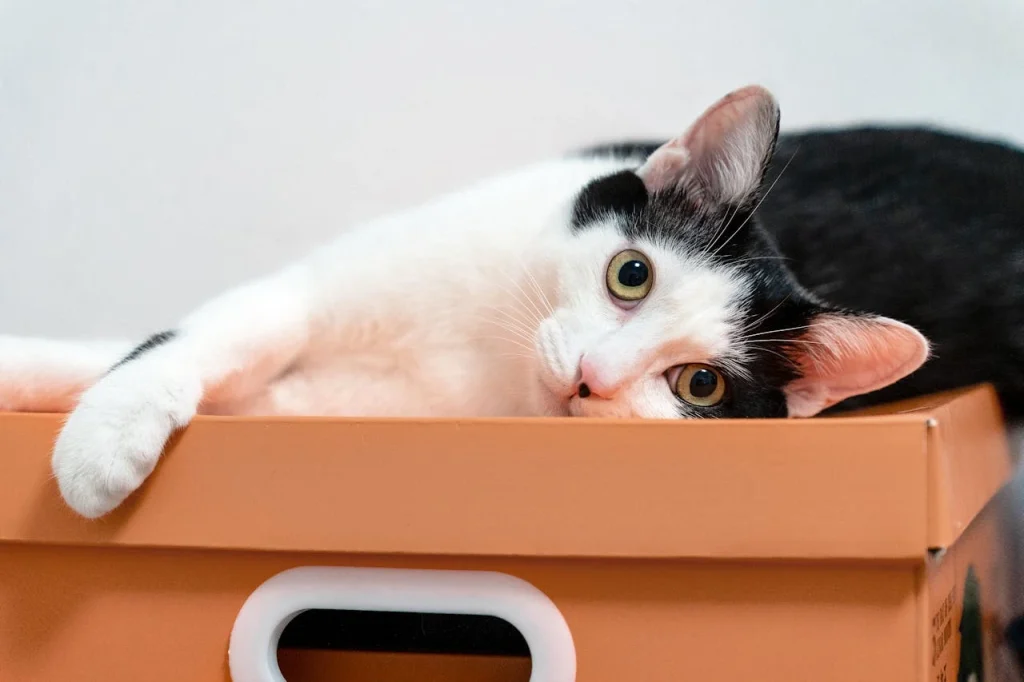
(545, 403)
(652, 399)
(558, 363)
(646, 399)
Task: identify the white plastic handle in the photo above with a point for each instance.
(252, 652)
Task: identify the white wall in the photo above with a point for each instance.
(153, 153)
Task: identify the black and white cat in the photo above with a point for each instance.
(652, 281)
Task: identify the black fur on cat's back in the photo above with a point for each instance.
(920, 225)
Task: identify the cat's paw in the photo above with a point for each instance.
(113, 439)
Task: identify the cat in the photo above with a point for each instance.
(728, 272)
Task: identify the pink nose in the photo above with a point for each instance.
(592, 381)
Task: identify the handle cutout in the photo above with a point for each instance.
(280, 600)
(402, 632)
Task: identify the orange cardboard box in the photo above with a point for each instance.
(833, 549)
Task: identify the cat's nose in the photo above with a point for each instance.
(592, 381)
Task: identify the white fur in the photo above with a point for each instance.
(44, 375)
(479, 304)
(482, 303)
(688, 317)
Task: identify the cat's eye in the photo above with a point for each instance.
(697, 384)
(630, 276)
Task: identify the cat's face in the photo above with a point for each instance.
(672, 302)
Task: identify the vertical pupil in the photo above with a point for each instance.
(633, 274)
(703, 383)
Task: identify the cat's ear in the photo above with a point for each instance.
(722, 158)
(845, 354)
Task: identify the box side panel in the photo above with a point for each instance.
(967, 592)
(939, 628)
(87, 614)
(968, 462)
(778, 489)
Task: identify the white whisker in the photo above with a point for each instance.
(535, 317)
(529, 299)
(505, 339)
(549, 309)
(754, 258)
(789, 360)
(761, 201)
(798, 341)
(510, 324)
(764, 317)
(516, 331)
(719, 231)
(778, 331)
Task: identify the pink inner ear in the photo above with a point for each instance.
(726, 116)
(666, 167)
(724, 149)
(847, 355)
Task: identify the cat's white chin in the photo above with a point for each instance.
(557, 406)
(562, 410)
(574, 407)
(550, 403)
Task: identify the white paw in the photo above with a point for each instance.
(112, 440)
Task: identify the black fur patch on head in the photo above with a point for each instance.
(149, 344)
(777, 309)
(628, 149)
(720, 231)
(773, 324)
(919, 225)
(621, 193)
(672, 216)
(775, 315)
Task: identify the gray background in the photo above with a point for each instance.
(153, 153)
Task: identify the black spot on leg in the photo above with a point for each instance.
(149, 344)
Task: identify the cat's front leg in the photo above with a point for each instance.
(48, 375)
(234, 344)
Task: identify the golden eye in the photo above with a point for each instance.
(630, 276)
(700, 385)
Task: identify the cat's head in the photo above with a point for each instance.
(674, 302)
